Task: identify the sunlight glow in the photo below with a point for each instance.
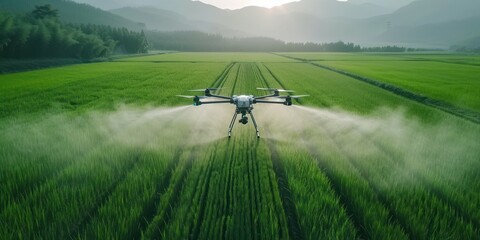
(236, 4)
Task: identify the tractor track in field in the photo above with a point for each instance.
(151, 210)
(220, 80)
(273, 75)
(235, 82)
(288, 203)
(261, 74)
(92, 212)
(467, 114)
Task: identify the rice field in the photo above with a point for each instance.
(107, 150)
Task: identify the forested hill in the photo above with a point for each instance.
(72, 12)
(40, 34)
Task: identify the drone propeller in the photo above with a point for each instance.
(294, 97)
(275, 90)
(205, 89)
(184, 96)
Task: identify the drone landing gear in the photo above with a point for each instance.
(244, 120)
(232, 123)
(254, 124)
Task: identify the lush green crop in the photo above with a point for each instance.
(107, 151)
(455, 83)
(446, 77)
(210, 57)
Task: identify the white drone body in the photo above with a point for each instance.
(243, 103)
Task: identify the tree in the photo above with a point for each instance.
(6, 27)
(45, 12)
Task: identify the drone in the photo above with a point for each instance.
(243, 103)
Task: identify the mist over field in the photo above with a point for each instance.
(142, 128)
(416, 145)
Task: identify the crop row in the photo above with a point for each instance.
(66, 177)
(405, 191)
(231, 189)
(315, 206)
(68, 174)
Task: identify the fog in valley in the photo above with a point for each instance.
(418, 23)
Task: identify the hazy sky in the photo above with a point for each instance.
(231, 4)
(234, 4)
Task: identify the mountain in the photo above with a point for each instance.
(422, 12)
(389, 4)
(425, 22)
(440, 34)
(72, 12)
(154, 18)
(333, 8)
(469, 44)
(201, 11)
(165, 20)
(194, 10)
(436, 22)
(307, 20)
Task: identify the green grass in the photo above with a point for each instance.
(447, 77)
(102, 86)
(106, 151)
(457, 84)
(468, 59)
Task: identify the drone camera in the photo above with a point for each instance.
(244, 120)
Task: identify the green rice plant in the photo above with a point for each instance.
(454, 83)
(76, 164)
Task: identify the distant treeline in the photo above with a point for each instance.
(40, 34)
(199, 41)
(466, 49)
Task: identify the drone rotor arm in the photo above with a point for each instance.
(293, 97)
(214, 102)
(276, 90)
(220, 96)
(184, 96)
(270, 102)
(266, 96)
